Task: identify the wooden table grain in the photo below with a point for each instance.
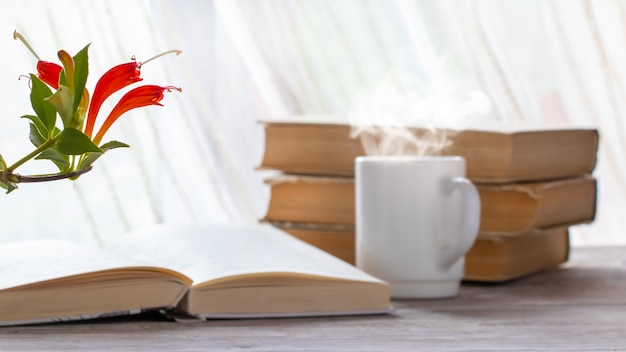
(580, 306)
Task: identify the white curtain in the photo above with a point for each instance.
(536, 61)
(195, 157)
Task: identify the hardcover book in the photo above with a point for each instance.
(494, 154)
(491, 258)
(506, 209)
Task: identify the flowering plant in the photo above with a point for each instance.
(59, 90)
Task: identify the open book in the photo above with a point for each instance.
(202, 270)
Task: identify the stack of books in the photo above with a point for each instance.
(534, 184)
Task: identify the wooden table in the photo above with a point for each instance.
(580, 306)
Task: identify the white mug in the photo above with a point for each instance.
(416, 217)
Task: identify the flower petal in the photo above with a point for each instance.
(135, 98)
(113, 80)
(49, 72)
(68, 65)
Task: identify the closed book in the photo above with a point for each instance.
(494, 154)
(504, 258)
(514, 208)
(491, 258)
(506, 209)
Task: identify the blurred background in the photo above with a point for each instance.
(537, 61)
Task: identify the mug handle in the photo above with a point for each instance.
(470, 222)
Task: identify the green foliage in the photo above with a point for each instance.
(81, 71)
(39, 128)
(113, 145)
(62, 161)
(74, 142)
(62, 100)
(9, 186)
(46, 113)
(35, 136)
(91, 158)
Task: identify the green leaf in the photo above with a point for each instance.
(90, 159)
(9, 186)
(74, 142)
(60, 160)
(35, 136)
(63, 79)
(61, 101)
(43, 130)
(44, 110)
(81, 71)
(113, 145)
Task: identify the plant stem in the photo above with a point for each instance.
(3, 163)
(45, 145)
(51, 177)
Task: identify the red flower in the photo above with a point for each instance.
(49, 72)
(135, 98)
(113, 80)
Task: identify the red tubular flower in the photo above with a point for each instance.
(49, 72)
(135, 98)
(113, 80)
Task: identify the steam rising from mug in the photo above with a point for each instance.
(379, 117)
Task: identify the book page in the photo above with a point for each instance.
(207, 252)
(27, 262)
